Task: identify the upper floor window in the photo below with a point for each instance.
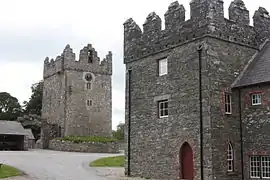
(89, 102)
(88, 85)
(163, 108)
(163, 67)
(230, 158)
(256, 99)
(260, 167)
(228, 103)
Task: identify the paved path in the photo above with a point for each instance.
(54, 165)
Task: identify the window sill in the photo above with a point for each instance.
(232, 173)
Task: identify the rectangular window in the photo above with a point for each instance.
(163, 67)
(260, 167)
(88, 85)
(163, 108)
(89, 102)
(256, 99)
(228, 103)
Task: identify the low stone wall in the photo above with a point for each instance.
(93, 147)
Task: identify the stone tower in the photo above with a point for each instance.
(77, 96)
(181, 109)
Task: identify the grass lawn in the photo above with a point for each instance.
(116, 161)
(8, 171)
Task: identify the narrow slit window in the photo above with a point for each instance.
(228, 103)
(230, 158)
(90, 56)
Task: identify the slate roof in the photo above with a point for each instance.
(29, 134)
(11, 128)
(257, 70)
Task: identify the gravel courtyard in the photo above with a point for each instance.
(54, 165)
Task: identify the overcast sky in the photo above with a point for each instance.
(33, 29)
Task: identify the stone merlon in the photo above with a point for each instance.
(207, 18)
(152, 23)
(88, 61)
(174, 16)
(238, 12)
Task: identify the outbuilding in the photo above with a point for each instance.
(12, 136)
(30, 139)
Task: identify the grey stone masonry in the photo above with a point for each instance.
(94, 147)
(227, 47)
(77, 95)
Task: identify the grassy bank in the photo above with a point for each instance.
(116, 161)
(8, 171)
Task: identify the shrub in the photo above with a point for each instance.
(81, 139)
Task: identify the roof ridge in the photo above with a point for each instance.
(247, 66)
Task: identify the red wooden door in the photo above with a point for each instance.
(186, 161)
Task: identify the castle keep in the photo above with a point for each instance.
(77, 97)
(198, 93)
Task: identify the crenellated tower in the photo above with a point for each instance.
(181, 112)
(77, 94)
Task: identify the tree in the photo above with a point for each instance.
(34, 105)
(120, 132)
(10, 107)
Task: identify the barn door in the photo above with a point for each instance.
(186, 162)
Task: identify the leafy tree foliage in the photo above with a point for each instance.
(119, 134)
(10, 107)
(34, 105)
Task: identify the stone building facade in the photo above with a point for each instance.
(197, 93)
(77, 96)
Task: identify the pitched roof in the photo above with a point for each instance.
(11, 128)
(29, 134)
(257, 70)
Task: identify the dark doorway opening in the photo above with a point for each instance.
(186, 162)
(11, 142)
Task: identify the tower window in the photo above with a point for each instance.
(230, 158)
(89, 102)
(163, 108)
(228, 103)
(88, 85)
(90, 56)
(256, 99)
(162, 67)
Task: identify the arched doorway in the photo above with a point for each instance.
(186, 162)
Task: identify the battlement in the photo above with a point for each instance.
(88, 61)
(206, 19)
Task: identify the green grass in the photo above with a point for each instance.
(116, 161)
(79, 139)
(8, 171)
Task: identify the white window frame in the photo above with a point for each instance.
(88, 85)
(163, 112)
(230, 158)
(89, 102)
(259, 167)
(162, 67)
(256, 99)
(228, 103)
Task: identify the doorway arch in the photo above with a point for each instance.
(186, 162)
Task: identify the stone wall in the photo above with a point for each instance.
(256, 124)
(227, 47)
(66, 98)
(94, 147)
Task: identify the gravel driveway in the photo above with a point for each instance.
(54, 165)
